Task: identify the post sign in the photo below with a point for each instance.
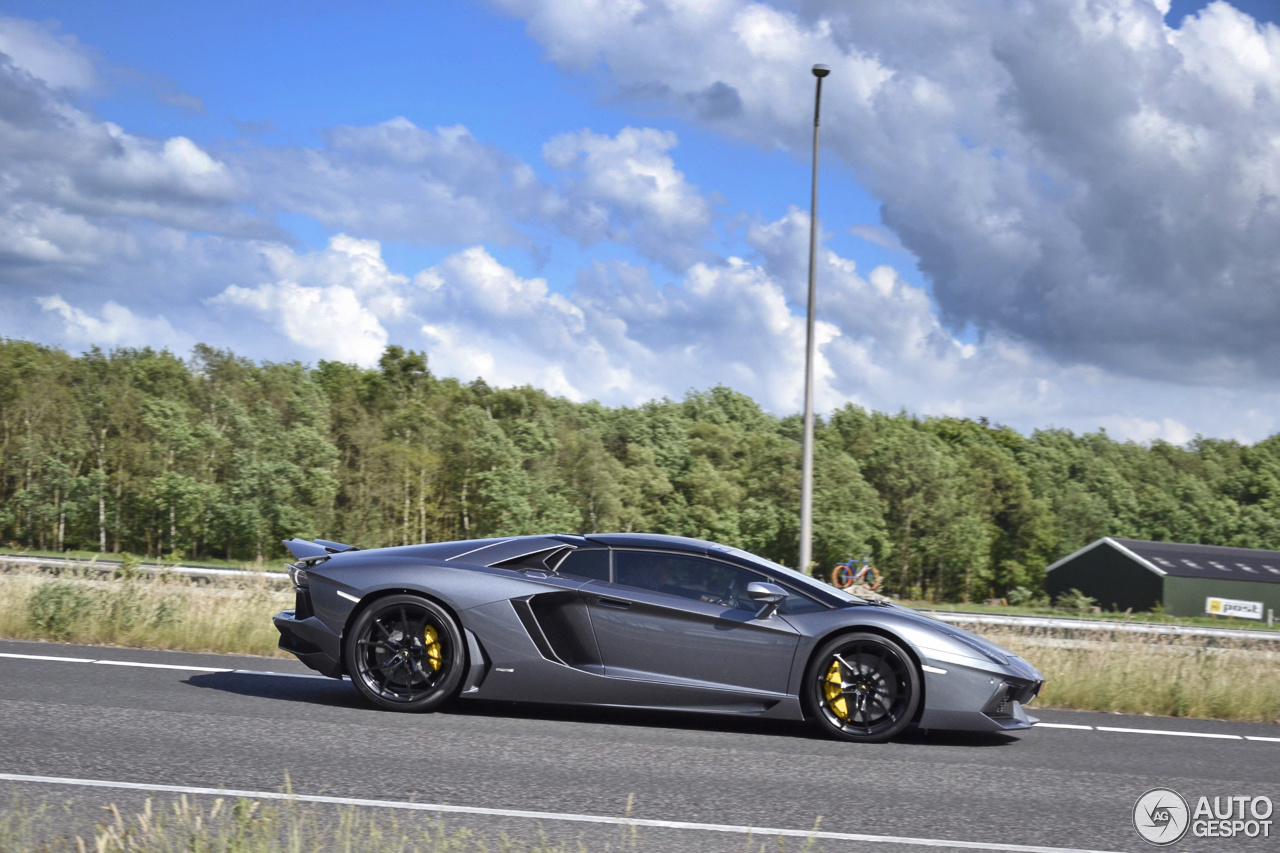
(1231, 607)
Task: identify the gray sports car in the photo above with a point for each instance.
(642, 621)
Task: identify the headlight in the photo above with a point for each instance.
(990, 654)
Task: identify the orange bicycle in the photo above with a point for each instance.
(845, 575)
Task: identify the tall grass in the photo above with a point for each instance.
(1174, 676)
(251, 826)
(173, 612)
(255, 826)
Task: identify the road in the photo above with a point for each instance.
(184, 720)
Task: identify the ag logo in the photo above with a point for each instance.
(1161, 816)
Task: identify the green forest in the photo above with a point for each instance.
(217, 456)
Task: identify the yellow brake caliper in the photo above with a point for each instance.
(831, 686)
(433, 649)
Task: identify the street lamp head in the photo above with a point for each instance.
(821, 71)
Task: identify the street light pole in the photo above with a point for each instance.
(806, 476)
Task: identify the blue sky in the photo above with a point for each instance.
(1047, 215)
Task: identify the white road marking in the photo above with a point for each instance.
(46, 657)
(1164, 732)
(161, 665)
(143, 665)
(284, 674)
(326, 678)
(755, 831)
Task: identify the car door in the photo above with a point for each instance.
(686, 619)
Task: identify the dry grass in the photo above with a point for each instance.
(173, 612)
(187, 825)
(251, 826)
(1207, 678)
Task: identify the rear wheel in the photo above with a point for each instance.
(405, 653)
(862, 687)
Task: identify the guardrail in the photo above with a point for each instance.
(145, 568)
(1068, 623)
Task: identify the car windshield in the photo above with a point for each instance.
(825, 591)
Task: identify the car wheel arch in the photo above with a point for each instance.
(368, 601)
(821, 641)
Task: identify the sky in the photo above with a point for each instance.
(1046, 213)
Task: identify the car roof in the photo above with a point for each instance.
(650, 540)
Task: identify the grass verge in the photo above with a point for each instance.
(1170, 676)
(174, 612)
(187, 825)
(1209, 678)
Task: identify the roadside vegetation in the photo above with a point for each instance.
(220, 825)
(1171, 676)
(165, 612)
(220, 457)
(1212, 678)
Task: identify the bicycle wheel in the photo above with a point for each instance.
(869, 576)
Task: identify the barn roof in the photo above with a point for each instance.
(1191, 561)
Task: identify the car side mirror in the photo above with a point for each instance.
(768, 595)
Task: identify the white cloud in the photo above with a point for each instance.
(77, 188)
(175, 167)
(403, 182)
(1145, 430)
(621, 339)
(1111, 201)
(617, 337)
(117, 327)
(329, 322)
(327, 303)
(635, 192)
(878, 235)
(59, 61)
(348, 262)
(445, 187)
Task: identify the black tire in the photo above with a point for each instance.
(862, 687)
(405, 653)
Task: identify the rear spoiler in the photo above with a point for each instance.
(310, 553)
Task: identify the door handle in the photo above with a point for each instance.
(615, 603)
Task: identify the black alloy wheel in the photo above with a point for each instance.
(862, 687)
(405, 653)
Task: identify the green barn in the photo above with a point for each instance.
(1132, 573)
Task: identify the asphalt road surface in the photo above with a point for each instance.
(201, 723)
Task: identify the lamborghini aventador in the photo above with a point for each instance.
(642, 621)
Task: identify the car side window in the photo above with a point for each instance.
(686, 576)
(591, 563)
(699, 579)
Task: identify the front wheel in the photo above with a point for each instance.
(862, 687)
(405, 653)
(843, 576)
